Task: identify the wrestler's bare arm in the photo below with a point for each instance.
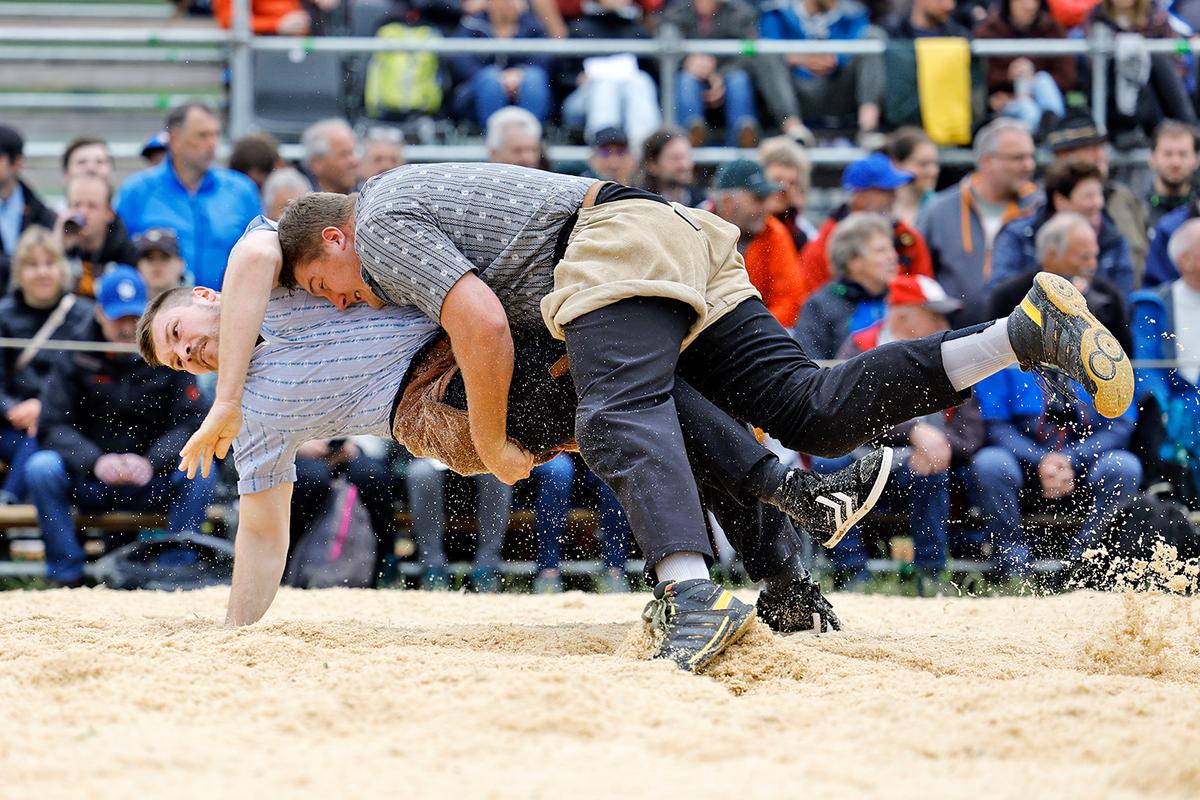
(252, 272)
(260, 553)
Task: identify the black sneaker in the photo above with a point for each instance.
(1052, 330)
(797, 606)
(698, 620)
(828, 506)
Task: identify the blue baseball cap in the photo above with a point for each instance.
(876, 171)
(155, 144)
(122, 293)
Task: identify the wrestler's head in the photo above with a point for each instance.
(180, 329)
(316, 235)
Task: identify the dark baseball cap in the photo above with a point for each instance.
(1075, 129)
(162, 240)
(156, 143)
(876, 171)
(122, 293)
(11, 143)
(742, 173)
(610, 137)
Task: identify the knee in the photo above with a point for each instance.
(737, 79)
(535, 75)
(994, 466)
(45, 471)
(1116, 470)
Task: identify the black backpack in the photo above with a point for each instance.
(1138, 525)
(177, 562)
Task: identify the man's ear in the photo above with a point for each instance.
(334, 235)
(206, 294)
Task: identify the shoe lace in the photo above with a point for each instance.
(655, 614)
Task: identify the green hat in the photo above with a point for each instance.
(743, 173)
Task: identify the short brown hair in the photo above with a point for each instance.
(1064, 176)
(255, 151)
(301, 224)
(82, 141)
(168, 299)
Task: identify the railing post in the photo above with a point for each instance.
(1101, 41)
(670, 57)
(241, 72)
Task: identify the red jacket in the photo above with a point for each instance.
(814, 258)
(264, 14)
(774, 267)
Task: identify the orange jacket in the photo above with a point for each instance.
(774, 267)
(814, 258)
(264, 14)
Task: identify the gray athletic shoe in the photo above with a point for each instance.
(828, 506)
(1053, 331)
(698, 620)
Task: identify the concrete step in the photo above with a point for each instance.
(175, 78)
(152, 10)
(135, 125)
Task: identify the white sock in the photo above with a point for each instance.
(681, 567)
(971, 358)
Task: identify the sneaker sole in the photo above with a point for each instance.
(881, 479)
(720, 643)
(1103, 360)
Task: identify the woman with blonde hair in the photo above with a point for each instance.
(38, 307)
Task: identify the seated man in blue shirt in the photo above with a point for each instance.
(208, 207)
(1058, 447)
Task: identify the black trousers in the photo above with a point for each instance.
(624, 360)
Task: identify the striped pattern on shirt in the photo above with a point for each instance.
(320, 374)
(421, 227)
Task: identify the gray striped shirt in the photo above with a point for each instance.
(420, 228)
(320, 374)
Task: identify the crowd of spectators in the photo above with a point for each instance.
(903, 254)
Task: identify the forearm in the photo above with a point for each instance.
(253, 272)
(260, 554)
(486, 361)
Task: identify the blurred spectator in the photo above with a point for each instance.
(786, 164)
(667, 167)
(91, 233)
(87, 155)
(158, 260)
(610, 159)
(426, 480)
(284, 186)
(485, 83)
(1160, 269)
(155, 149)
(283, 17)
(1059, 446)
(1171, 182)
(871, 184)
(926, 18)
(330, 156)
(829, 85)
(1028, 89)
(739, 195)
(256, 155)
(928, 449)
(1166, 325)
(208, 207)
(514, 136)
(39, 306)
(317, 463)
(707, 83)
(912, 151)
(610, 91)
(960, 223)
(1144, 88)
(553, 504)
(864, 262)
(1076, 137)
(383, 149)
(1071, 187)
(20, 208)
(1066, 245)
(112, 428)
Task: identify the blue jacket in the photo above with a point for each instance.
(1015, 252)
(1178, 400)
(208, 223)
(477, 26)
(846, 20)
(1019, 419)
(1159, 269)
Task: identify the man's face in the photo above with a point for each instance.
(335, 171)
(936, 11)
(876, 201)
(742, 208)
(337, 274)
(1079, 257)
(1086, 200)
(186, 336)
(160, 271)
(379, 157)
(915, 322)
(1091, 153)
(793, 194)
(1011, 167)
(121, 330)
(88, 198)
(613, 162)
(1189, 269)
(91, 159)
(520, 149)
(10, 168)
(194, 143)
(675, 166)
(1173, 160)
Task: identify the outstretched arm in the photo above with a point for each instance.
(253, 271)
(260, 553)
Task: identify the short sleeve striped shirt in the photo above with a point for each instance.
(320, 374)
(419, 228)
